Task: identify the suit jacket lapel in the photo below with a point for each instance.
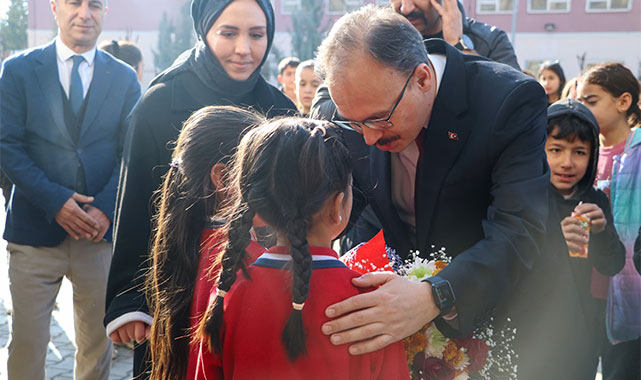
(47, 74)
(444, 139)
(100, 86)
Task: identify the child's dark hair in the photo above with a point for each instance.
(284, 171)
(126, 51)
(570, 127)
(186, 201)
(286, 62)
(617, 80)
(555, 67)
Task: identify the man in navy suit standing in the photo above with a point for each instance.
(448, 148)
(63, 110)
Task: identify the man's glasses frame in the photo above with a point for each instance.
(379, 124)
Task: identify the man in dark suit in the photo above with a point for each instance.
(63, 110)
(448, 150)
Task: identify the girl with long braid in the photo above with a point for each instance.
(268, 324)
(188, 236)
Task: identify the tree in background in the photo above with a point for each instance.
(308, 29)
(173, 39)
(13, 28)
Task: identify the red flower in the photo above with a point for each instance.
(462, 342)
(477, 351)
(432, 368)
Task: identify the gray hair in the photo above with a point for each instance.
(378, 31)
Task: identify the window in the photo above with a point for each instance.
(342, 6)
(607, 5)
(495, 6)
(536, 6)
(289, 6)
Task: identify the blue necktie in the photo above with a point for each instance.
(75, 86)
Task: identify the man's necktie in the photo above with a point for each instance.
(75, 86)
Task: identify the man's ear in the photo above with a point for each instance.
(425, 76)
(279, 78)
(217, 175)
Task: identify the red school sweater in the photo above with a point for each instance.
(257, 309)
(212, 242)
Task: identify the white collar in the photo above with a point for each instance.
(64, 53)
(276, 256)
(438, 62)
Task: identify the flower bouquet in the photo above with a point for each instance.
(485, 354)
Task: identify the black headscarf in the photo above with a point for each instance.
(202, 61)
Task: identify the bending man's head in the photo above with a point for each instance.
(377, 43)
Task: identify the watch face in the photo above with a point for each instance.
(444, 294)
(469, 45)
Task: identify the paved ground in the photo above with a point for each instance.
(61, 348)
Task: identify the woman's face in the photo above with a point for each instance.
(550, 82)
(238, 38)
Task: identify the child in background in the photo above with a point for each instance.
(299, 181)
(611, 92)
(555, 338)
(127, 52)
(188, 236)
(307, 81)
(286, 73)
(569, 90)
(552, 79)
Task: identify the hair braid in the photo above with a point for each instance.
(293, 336)
(232, 260)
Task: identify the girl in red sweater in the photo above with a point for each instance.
(187, 238)
(268, 324)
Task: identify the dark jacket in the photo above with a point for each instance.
(40, 155)
(490, 41)
(481, 188)
(552, 307)
(156, 122)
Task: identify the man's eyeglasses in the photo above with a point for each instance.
(374, 123)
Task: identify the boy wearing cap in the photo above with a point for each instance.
(555, 313)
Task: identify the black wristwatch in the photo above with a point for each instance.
(443, 294)
(464, 43)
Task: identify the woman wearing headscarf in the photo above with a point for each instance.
(223, 68)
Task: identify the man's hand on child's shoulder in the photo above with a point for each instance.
(594, 212)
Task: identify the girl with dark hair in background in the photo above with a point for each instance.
(298, 181)
(234, 38)
(188, 235)
(127, 52)
(611, 92)
(552, 79)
